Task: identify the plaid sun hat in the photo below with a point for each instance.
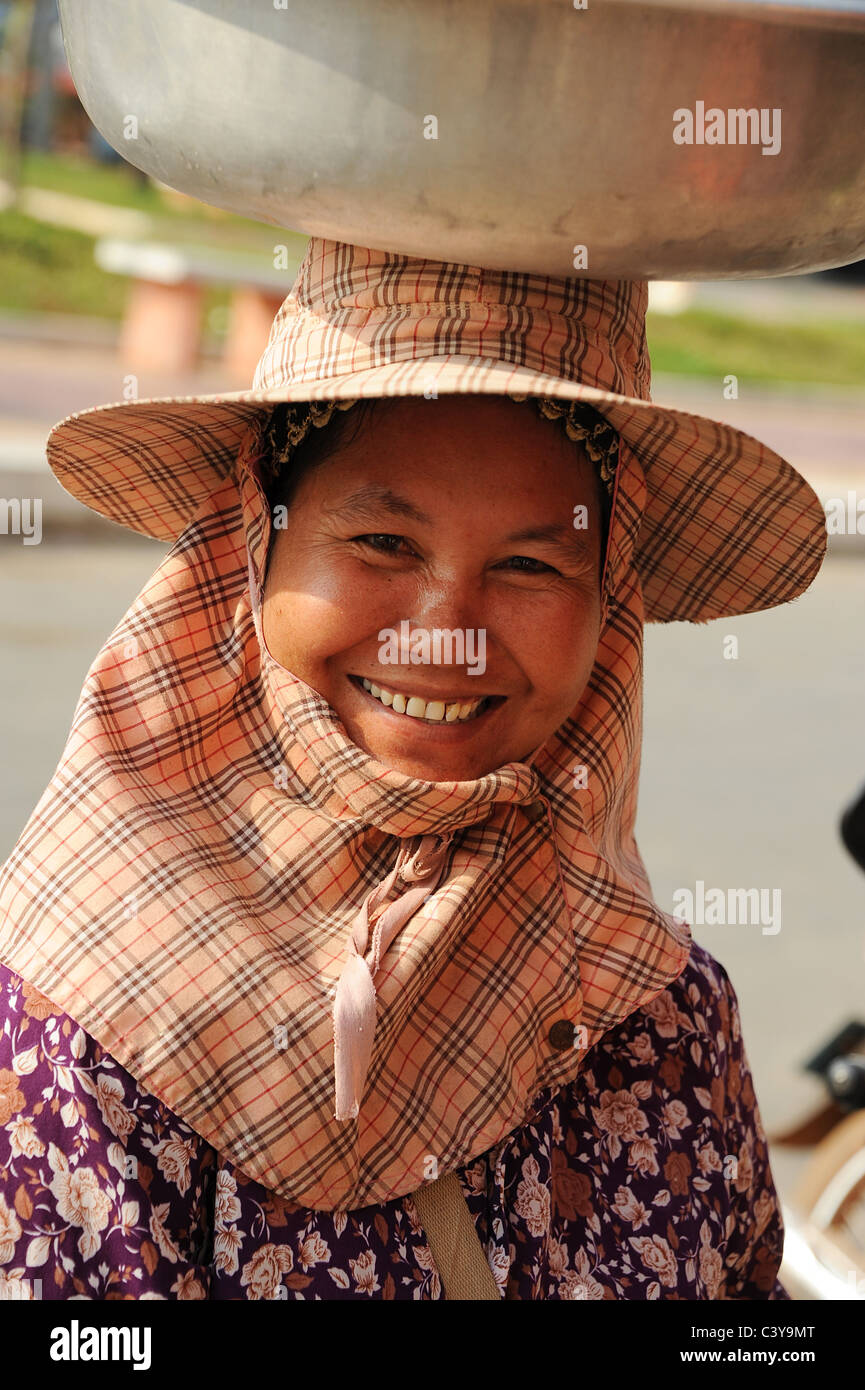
(729, 527)
(346, 979)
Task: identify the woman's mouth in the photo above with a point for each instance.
(435, 710)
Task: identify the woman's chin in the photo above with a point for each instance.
(425, 772)
(443, 766)
(430, 754)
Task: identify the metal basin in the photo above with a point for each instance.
(554, 127)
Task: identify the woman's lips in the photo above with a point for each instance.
(437, 710)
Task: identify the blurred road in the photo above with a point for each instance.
(747, 766)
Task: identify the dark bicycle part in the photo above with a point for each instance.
(852, 829)
(841, 1065)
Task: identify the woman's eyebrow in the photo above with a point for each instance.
(372, 500)
(560, 537)
(369, 502)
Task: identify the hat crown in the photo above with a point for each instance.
(352, 308)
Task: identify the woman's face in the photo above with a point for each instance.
(435, 557)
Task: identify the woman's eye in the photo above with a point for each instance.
(382, 541)
(527, 564)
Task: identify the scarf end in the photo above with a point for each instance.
(353, 1028)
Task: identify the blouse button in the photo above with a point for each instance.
(536, 811)
(561, 1035)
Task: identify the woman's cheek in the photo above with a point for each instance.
(331, 573)
(338, 615)
(554, 636)
(571, 654)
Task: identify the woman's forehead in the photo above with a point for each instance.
(437, 482)
(459, 436)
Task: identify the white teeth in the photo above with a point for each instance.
(432, 711)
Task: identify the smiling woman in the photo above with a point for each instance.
(471, 557)
(301, 922)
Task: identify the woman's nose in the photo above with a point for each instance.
(453, 601)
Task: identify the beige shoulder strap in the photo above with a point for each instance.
(453, 1239)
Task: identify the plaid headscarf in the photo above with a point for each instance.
(190, 883)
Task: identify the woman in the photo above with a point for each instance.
(335, 889)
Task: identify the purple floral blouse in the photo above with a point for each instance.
(648, 1177)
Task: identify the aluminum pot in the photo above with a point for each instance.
(522, 134)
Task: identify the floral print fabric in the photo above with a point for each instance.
(647, 1178)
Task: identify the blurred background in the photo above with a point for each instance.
(112, 285)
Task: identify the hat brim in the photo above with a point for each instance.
(729, 526)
